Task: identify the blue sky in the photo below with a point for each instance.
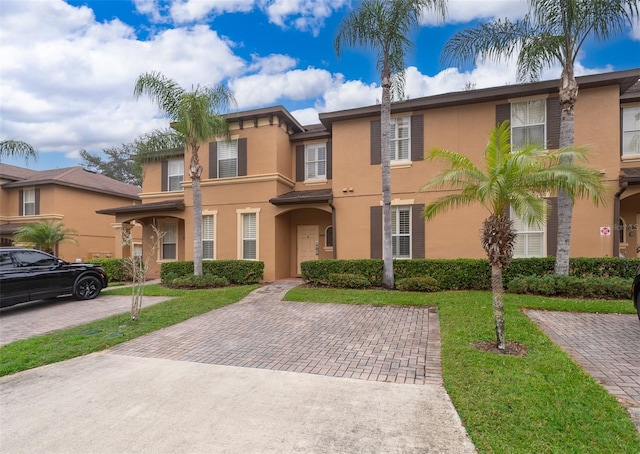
(68, 68)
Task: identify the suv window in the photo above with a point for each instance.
(34, 258)
(5, 261)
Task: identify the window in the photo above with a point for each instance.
(401, 232)
(328, 237)
(631, 131)
(227, 158)
(207, 237)
(315, 159)
(29, 202)
(528, 120)
(175, 174)
(400, 138)
(169, 249)
(249, 236)
(530, 239)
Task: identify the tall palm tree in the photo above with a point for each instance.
(195, 118)
(384, 27)
(552, 32)
(45, 235)
(17, 148)
(517, 180)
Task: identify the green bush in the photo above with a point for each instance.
(235, 271)
(573, 287)
(418, 284)
(316, 272)
(116, 269)
(347, 280)
(451, 274)
(197, 282)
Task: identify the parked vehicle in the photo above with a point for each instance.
(635, 289)
(29, 274)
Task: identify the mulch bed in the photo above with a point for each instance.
(511, 348)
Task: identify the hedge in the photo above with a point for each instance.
(235, 271)
(573, 287)
(116, 269)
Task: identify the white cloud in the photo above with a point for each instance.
(185, 11)
(150, 8)
(272, 64)
(635, 30)
(463, 11)
(308, 116)
(308, 15)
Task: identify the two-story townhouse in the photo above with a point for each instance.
(70, 195)
(284, 193)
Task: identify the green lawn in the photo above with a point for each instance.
(540, 403)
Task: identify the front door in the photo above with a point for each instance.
(307, 244)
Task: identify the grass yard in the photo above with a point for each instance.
(540, 403)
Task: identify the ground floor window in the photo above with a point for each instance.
(169, 250)
(530, 240)
(208, 237)
(249, 236)
(401, 232)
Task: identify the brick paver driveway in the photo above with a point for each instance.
(394, 344)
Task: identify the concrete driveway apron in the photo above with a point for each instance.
(259, 376)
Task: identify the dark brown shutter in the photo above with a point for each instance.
(376, 232)
(553, 123)
(37, 207)
(552, 227)
(164, 175)
(376, 146)
(417, 137)
(242, 157)
(213, 159)
(299, 162)
(503, 112)
(21, 203)
(329, 161)
(417, 231)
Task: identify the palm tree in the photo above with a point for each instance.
(517, 180)
(45, 235)
(194, 118)
(552, 32)
(384, 26)
(17, 148)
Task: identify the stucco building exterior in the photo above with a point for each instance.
(283, 193)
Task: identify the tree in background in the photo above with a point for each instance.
(194, 117)
(384, 27)
(45, 235)
(511, 180)
(18, 149)
(121, 163)
(552, 32)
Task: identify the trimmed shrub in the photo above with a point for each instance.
(316, 272)
(451, 274)
(573, 287)
(235, 271)
(347, 280)
(418, 284)
(116, 269)
(196, 282)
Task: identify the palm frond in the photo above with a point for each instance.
(17, 148)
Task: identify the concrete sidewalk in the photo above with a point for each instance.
(123, 400)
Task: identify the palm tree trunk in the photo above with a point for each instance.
(385, 119)
(498, 304)
(195, 172)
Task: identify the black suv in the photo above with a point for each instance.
(636, 292)
(29, 274)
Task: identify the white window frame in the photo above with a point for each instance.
(165, 240)
(526, 233)
(29, 202)
(209, 235)
(395, 140)
(172, 173)
(527, 124)
(227, 153)
(241, 213)
(631, 131)
(315, 162)
(395, 223)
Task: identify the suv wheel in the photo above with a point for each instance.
(87, 288)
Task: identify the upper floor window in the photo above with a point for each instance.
(528, 121)
(175, 174)
(228, 158)
(315, 159)
(401, 232)
(29, 202)
(530, 240)
(208, 237)
(400, 138)
(631, 131)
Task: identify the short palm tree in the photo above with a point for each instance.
(517, 180)
(384, 27)
(553, 32)
(17, 148)
(194, 117)
(45, 235)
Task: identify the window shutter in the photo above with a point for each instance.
(417, 231)
(37, 201)
(554, 112)
(21, 203)
(329, 161)
(242, 157)
(417, 137)
(376, 146)
(299, 162)
(552, 227)
(503, 112)
(164, 175)
(376, 232)
(213, 159)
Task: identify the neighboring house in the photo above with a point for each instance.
(284, 193)
(70, 195)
